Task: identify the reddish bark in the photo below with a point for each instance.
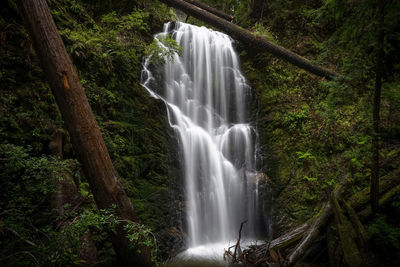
(81, 124)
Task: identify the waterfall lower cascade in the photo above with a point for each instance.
(207, 97)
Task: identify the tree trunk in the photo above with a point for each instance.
(360, 199)
(347, 235)
(210, 9)
(254, 42)
(367, 212)
(316, 226)
(376, 109)
(81, 124)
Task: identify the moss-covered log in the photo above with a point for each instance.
(347, 235)
(310, 230)
(357, 225)
(254, 42)
(360, 199)
(316, 226)
(255, 253)
(367, 212)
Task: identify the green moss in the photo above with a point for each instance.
(106, 47)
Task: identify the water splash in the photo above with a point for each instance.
(207, 96)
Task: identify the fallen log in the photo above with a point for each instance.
(357, 225)
(389, 187)
(313, 231)
(282, 242)
(360, 199)
(347, 235)
(315, 228)
(356, 202)
(211, 9)
(256, 254)
(367, 212)
(254, 42)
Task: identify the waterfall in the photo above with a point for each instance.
(207, 101)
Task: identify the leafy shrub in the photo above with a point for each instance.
(163, 49)
(384, 235)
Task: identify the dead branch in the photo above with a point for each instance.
(238, 241)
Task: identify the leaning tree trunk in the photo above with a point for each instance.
(81, 125)
(254, 42)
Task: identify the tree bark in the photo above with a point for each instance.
(252, 41)
(81, 124)
(210, 9)
(367, 212)
(360, 199)
(306, 234)
(316, 226)
(347, 236)
(376, 110)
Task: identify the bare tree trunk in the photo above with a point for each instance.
(246, 37)
(81, 124)
(376, 110)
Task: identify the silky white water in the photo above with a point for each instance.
(207, 100)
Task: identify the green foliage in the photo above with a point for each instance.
(162, 49)
(305, 155)
(26, 218)
(64, 246)
(26, 180)
(262, 31)
(106, 44)
(136, 20)
(295, 120)
(384, 235)
(139, 234)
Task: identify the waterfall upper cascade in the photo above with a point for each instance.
(207, 98)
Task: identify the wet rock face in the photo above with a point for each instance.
(176, 234)
(168, 222)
